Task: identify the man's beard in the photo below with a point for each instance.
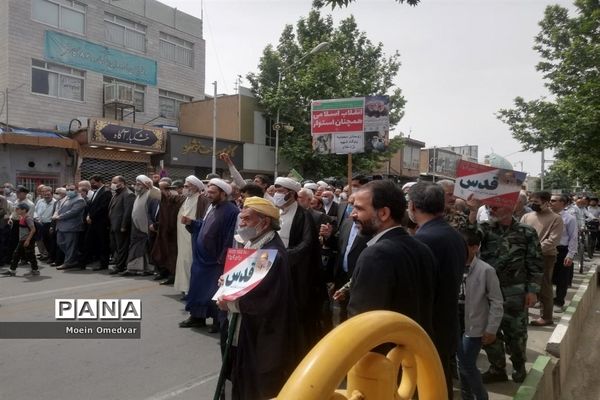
(369, 227)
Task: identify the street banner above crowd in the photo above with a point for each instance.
(349, 126)
(244, 270)
(493, 186)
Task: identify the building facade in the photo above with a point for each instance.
(64, 62)
(404, 164)
(239, 120)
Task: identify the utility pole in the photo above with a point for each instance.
(214, 146)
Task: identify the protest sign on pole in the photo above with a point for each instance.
(244, 270)
(337, 125)
(493, 186)
(377, 123)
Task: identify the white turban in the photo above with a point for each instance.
(311, 185)
(144, 179)
(323, 184)
(288, 183)
(408, 185)
(195, 181)
(220, 183)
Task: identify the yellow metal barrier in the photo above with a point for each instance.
(371, 376)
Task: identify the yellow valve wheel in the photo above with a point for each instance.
(371, 376)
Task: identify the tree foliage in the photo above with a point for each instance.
(569, 120)
(352, 67)
(344, 3)
(560, 177)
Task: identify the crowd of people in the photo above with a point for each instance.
(466, 272)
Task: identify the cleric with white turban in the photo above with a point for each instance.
(221, 184)
(196, 182)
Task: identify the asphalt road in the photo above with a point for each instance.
(168, 362)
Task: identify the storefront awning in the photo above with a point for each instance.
(36, 137)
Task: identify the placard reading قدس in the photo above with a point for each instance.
(244, 270)
(493, 186)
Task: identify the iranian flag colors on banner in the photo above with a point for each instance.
(493, 186)
(244, 270)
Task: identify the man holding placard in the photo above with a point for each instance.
(514, 250)
(258, 286)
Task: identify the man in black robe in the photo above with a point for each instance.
(266, 351)
(298, 234)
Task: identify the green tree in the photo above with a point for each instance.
(560, 177)
(352, 67)
(569, 120)
(344, 3)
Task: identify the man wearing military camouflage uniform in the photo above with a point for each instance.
(457, 219)
(514, 250)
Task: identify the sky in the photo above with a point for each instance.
(462, 60)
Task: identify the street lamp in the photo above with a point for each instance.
(321, 47)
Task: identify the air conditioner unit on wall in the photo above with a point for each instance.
(118, 93)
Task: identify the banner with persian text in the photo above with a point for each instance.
(493, 186)
(80, 53)
(244, 270)
(352, 125)
(337, 125)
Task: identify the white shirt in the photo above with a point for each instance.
(43, 210)
(285, 220)
(327, 207)
(376, 238)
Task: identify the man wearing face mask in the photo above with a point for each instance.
(549, 227)
(119, 214)
(193, 206)
(298, 234)
(211, 238)
(43, 214)
(97, 236)
(143, 214)
(9, 192)
(514, 250)
(266, 350)
(69, 225)
(426, 205)
(56, 255)
(330, 206)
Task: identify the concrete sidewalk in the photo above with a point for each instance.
(536, 344)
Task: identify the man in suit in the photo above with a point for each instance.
(426, 208)
(330, 207)
(356, 183)
(119, 214)
(349, 244)
(97, 234)
(298, 234)
(402, 278)
(69, 225)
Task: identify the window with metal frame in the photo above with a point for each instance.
(175, 49)
(124, 32)
(63, 14)
(32, 181)
(139, 92)
(57, 80)
(270, 133)
(169, 102)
